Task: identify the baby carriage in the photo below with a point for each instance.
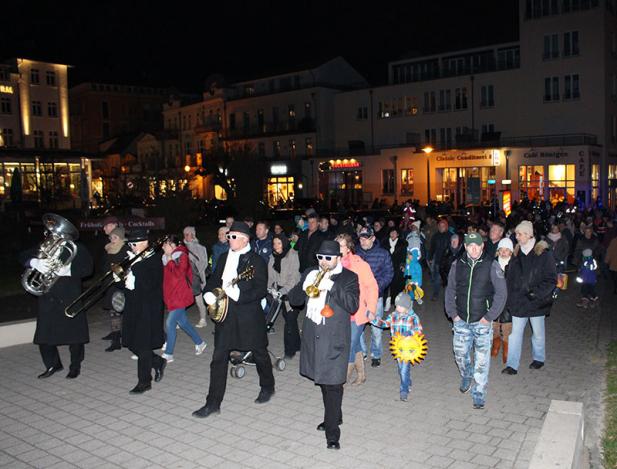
(239, 360)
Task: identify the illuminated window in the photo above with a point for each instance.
(531, 182)
(595, 181)
(280, 190)
(407, 177)
(561, 183)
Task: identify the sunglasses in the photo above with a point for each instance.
(132, 245)
(231, 236)
(323, 257)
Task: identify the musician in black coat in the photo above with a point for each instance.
(326, 340)
(244, 328)
(53, 327)
(142, 322)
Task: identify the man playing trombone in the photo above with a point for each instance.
(244, 326)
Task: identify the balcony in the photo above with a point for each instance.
(270, 129)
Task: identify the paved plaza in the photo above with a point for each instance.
(92, 422)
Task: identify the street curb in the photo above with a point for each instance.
(17, 333)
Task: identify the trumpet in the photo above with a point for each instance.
(117, 273)
(312, 291)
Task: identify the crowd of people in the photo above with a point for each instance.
(343, 275)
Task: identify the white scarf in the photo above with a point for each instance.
(527, 247)
(503, 262)
(129, 283)
(231, 271)
(392, 245)
(315, 305)
(554, 237)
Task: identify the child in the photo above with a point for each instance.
(413, 274)
(502, 326)
(404, 321)
(587, 276)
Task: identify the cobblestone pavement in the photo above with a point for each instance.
(92, 422)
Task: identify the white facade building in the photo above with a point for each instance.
(546, 101)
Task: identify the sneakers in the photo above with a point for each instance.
(164, 346)
(375, 362)
(201, 323)
(478, 404)
(167, 357)
(465, 385)
(508, 370)
(199, 349)
(404, 397)
(536, 365)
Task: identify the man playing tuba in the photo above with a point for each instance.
(331, 294)
(53, 327)
(244, 327)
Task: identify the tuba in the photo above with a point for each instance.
(218, 309)
(58, 249)
(312, 291)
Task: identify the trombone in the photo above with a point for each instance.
(94, 293)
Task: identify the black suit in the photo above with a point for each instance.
(244, 328)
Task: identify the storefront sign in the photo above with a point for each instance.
(344, 164)
(278, 169)
(545, 154)
(495, 154)
(507, 202)
(462, 157)
(129, 223)
(5, 89)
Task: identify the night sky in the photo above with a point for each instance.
(181, 43)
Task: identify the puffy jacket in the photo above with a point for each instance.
(381, 265)
(177, 280)
(369, 291)
(531, 281)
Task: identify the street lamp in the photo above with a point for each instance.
(428, 149)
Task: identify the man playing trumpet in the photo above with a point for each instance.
(244, 326)
(331, 293)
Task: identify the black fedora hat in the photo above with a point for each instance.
(329, 248)
(240, 227)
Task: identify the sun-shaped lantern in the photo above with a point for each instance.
(412, 348)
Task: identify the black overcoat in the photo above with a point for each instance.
(325, 347)
(244, 327)
(142, 321)
(53, 327)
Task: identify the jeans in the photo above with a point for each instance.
(179, 316)
(516, 340)
(356, 340)
(375, 333)
(477, 337)
(404, 372)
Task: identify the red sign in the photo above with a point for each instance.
(344, 164)
(129, 223)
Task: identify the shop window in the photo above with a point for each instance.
(219, 193)
(407, 179)
(387, 181)
(561, 183)
(595, 181)
(531, 182)
(280, 190)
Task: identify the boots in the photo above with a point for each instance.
(504, 356)
(359, 365)
(350, 368)
(496, 346)
(115, 342)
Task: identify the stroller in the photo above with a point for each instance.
(239, 360)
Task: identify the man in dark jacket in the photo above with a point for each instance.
(262, 244)
(532, 277)
(380, 263)
(326, 333)
(475, 296)
(53, 327)
(308, 242)
(142, 321)
(494, 236)
(439, 245)
(244, 328)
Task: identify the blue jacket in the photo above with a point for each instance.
(218, 248)
(380, 263)
(263, 247)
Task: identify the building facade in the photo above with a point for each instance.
(35, 136)
(546, 101)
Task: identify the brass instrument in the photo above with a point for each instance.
(58, 249)
(218, 309)
(312, 291)
(117, 273)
